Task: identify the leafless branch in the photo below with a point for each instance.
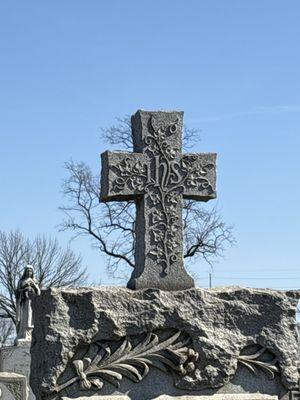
(53, 265)
(120, 135)
(111, 225)
(205, 233)
(7, 332)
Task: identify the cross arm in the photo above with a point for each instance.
(123, 175)
(199, 170)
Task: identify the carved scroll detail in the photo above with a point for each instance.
(134, 362)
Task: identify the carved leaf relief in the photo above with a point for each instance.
(258, 361)
(133, 361)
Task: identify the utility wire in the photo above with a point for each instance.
(250, 278)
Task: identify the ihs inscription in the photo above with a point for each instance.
(158, 176)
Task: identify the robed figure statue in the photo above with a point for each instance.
(27, 289)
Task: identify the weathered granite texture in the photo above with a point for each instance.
(223, 397)
(298, 331)
(213, 397)
(13, 386)
(17, 359)
(117, 341)
(158, 176)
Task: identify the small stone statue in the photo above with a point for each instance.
(27, 288)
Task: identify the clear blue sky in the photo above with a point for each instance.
(70, 67)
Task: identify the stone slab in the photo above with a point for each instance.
(200, 335)
(221, 397)
(100, 398)
(13, 386)
(17, 359)
(213, 397)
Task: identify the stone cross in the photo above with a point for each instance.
(157, 176)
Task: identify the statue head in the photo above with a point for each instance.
(28, 272)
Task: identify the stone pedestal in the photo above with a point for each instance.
(16, 359)
(150, 343)
(13, 386)
(214, 397)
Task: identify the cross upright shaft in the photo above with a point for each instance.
(157, 176)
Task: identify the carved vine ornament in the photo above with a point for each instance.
(172, 355)
(171, 176)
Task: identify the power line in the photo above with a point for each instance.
(250, 278)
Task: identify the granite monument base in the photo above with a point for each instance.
(16, 359)
(214, 397)
(13, 386)
(144, 344)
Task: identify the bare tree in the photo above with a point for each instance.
(53, 266)
(205, 233)
(120, 135)
(111, 225)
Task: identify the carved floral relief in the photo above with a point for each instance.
(163, 179)
(109, 362)
(172, 354)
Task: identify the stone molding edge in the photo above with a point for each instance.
(16, 384)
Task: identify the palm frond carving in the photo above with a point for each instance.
(256, 361)
(134, 362)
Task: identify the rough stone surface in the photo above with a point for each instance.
(213, 397)
(298, 331)
(203, 340)
(158, 176)
(13, 386)
(17, 359)
(222, 397)
(101, 398)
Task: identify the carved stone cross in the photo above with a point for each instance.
(157, 176)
